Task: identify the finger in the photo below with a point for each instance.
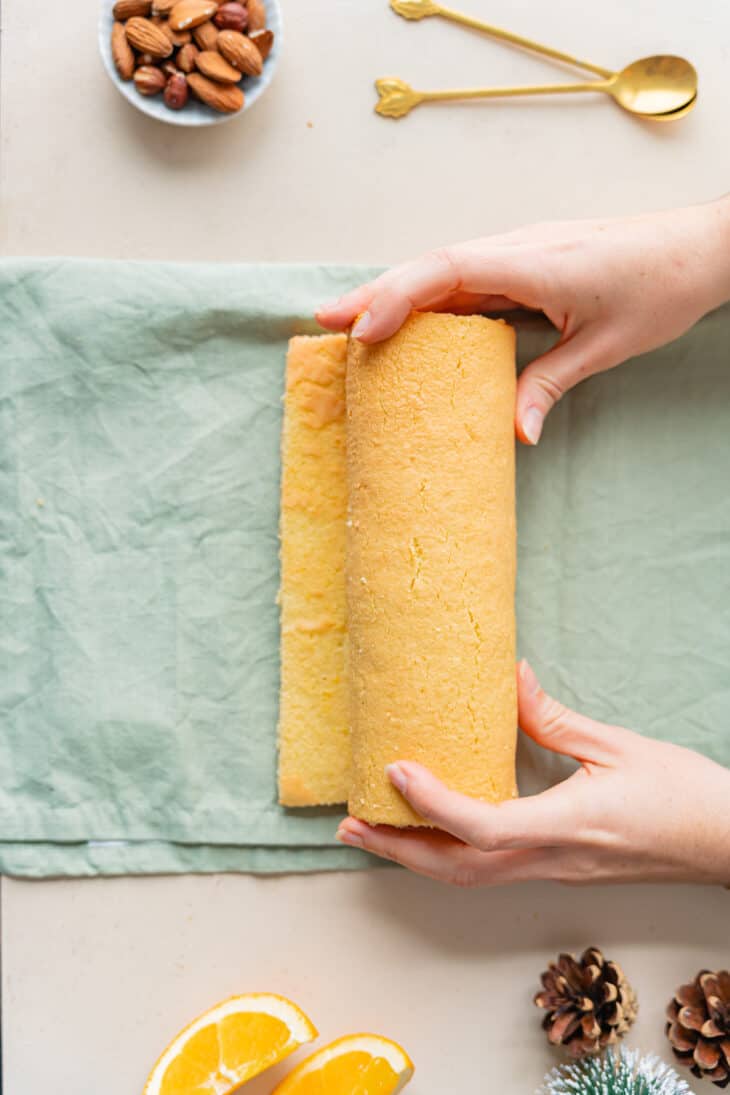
(413, 286)
(421, 847)
(476, 269)
(441, 857)
(471, 303)
(338, 315)
(554, 817)
(467, 268)
(429, 279)
(546, 379)
(561, 730)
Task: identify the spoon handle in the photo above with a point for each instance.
(419, 9)
(503, 92)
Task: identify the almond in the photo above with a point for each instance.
(256, 15)
(177, 37)
(149, 80)
(263, 40)
(163, 7)
(147, 38)
(206, 36)
(125, 9)
(215, 67)
(226, 98)
(122, 54)
(240, 52)
(186, 58)
(191, 13)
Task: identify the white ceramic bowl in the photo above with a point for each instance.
(194, 113)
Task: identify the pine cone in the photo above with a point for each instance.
(699, 1026)
(589, 1003)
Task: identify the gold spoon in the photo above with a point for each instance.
(673, 113)
(661, 88)
(658, 86)
(421, 9)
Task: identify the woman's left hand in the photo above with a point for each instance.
(636, 810)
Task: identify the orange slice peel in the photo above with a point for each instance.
(229, 1045)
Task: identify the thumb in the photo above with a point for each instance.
(561, 730)
(546, 379)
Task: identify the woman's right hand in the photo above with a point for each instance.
(636, 810)
(612, 288)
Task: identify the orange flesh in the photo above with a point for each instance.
(355, 1073)
(230, 1052)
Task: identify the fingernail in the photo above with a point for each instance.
(532, 425)
(362, 325)
(397, 777)
(346, 837)
(330, 305)
(527, 675)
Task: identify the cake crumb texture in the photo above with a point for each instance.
(431, 559)
(314, 751)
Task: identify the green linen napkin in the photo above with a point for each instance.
(140, 412)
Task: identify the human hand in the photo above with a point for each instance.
(636, 810)
(612, 288)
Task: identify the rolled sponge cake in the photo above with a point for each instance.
(430, 560)
(314, 751)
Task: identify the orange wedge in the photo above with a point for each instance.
(360, 1064)
(230, 1044)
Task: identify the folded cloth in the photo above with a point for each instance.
(140, 416)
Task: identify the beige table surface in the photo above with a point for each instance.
(96, 975)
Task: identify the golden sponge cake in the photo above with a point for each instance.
(314, 752)
(430, 560)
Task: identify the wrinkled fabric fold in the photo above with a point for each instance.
(140, 417)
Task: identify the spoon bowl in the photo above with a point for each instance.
(655, 86)
(670, 117)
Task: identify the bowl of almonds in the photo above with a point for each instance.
(190, 62)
